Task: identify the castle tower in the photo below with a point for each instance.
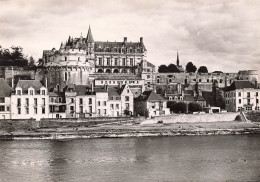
(90, 45)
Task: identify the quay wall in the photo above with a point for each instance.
(193, 118)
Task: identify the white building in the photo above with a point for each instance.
(242, 94)
(30, 100)
(5, 100)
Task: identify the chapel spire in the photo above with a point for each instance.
(178, 62)
(89, 38)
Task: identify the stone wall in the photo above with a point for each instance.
(18, 125)
(193, 118)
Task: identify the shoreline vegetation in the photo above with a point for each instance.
(119, 130)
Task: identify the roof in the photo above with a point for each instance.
(240, 84)
(99, 89)
(117, 77)
(5, 89)
(82, 90)
(113, 92)
(192, 98)
(150, 96)
(26, 84)
(57, 94)
(89, 36)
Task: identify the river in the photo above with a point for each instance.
(182, 158)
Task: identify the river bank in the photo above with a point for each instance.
(117, 130)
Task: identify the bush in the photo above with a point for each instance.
(194, 107)
(238, 118)
(179, 107)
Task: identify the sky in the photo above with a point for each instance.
(223, 35)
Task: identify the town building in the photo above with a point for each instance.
(151, 104)
(57, 103)
(242, 94)
(5, 100)
(29, 100)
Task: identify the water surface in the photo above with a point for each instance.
(197, 158)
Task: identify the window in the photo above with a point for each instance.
(256, 93)
(80, 101)
(131, 61)
(65, 58)
(115, 62)
(111, 106)
(105, 111)
(127, 106)
(71, 109)
(81, 109)
(123, 62)
(239, 101)
(27, 110)
(60, 99)
(71, 100)
(35, 101)
(90, 100)
(43, 101)
(98, 103)
(98, 111)
(35, 110)
(43, 110)
(199, 80)
(148, 76)
(126, 98)
(100, 61)
(108, 61)
(2, 108)
(19, 110)
(31, 92)
(90, 109)
(7, 108)
(105, 103)
(52, 99)
(117, 106)
(27, 101)
(248, 101)
(257, 101)
(127, 91)
(19, 102)
(65, 76)
(43, 92)
(2, 100)
(19, 92)
(239, 94)
(248, 94)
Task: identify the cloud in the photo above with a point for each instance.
(220, 34)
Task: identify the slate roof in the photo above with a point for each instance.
(83, 90)
(240, 84)
(150, 96)
(113, 92)
(5, 89)
(89, 36)
(26, 84)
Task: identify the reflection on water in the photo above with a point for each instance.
(199, 158)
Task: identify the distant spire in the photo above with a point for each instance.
(61, 45)
(178, 62)
(89, 38)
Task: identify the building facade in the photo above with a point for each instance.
(242, 95)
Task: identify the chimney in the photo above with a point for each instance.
(141, 39)
(125, 39)
(46, 82)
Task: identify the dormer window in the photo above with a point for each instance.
(18, 92)
(43, 92)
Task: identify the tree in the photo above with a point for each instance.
(217, 72)
(194, 107)
(172, 68)
(203, 69)
(163, 69)
(190, 68)
(179, 107)
(31, 62)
